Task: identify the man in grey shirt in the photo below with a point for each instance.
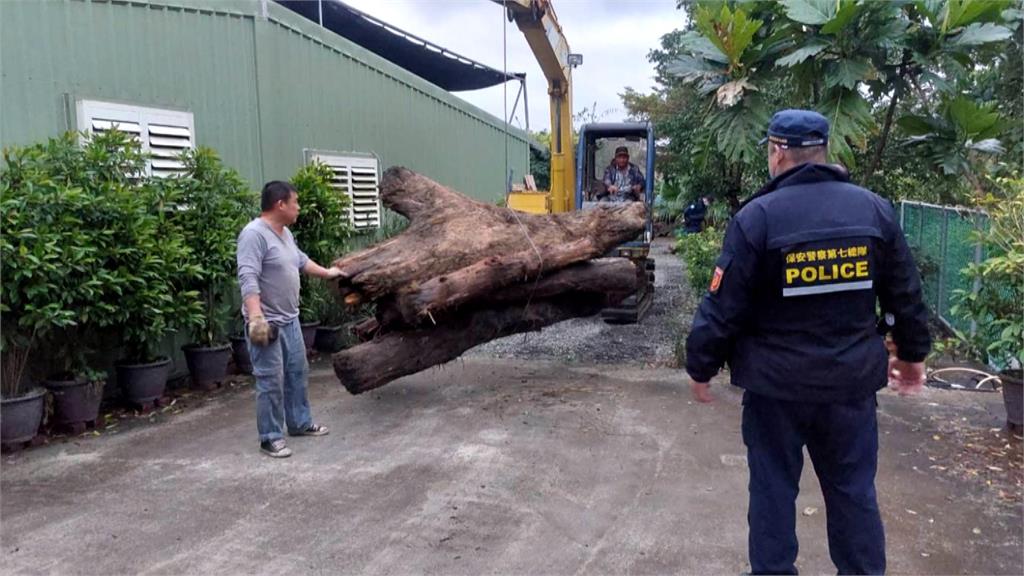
(269, 263)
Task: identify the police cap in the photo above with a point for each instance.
(797, 128)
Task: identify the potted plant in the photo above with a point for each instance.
(239, 346)
(995, 308)
(321, 231)
(76, 397)
(52, 252)
(215, 203)
(155, 304)
(21, 404)
(87, 244)
(309, 310)
(335, 318)
(154, 266)
(77, 389)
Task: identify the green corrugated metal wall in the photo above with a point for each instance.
(261, 90)
(262, 87)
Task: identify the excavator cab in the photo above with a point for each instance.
(595, 152)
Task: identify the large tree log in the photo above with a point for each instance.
(449, 231)
(614, 278)
(385, 358)
(475, 280)
(466, 272)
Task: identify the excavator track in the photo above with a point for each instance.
(635, 307)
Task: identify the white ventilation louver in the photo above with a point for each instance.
(365, 197)
(166, 143)
(101, 125)
(356, 176)
(162, 134)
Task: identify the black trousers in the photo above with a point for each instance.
(842, 440)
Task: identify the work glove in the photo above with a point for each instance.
(259, 331)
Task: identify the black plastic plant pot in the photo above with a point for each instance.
(20, 417)
(143, 384)
(328, 339)
(75, 400)
(207, 365)
(240, 352)
(309, 334)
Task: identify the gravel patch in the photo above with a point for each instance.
(651, 342)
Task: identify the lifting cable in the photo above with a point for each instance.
(508, 173)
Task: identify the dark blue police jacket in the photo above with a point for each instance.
(693, 216)
(792, 304)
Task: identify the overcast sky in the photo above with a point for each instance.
(614, 37)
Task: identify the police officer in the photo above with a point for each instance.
(792, 309)
(693, 216)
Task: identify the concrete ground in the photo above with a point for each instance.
(483, 466)
(491, 465)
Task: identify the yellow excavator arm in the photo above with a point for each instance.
(537, 21)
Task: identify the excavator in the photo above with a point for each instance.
(576, 178)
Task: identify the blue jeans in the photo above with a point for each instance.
(842, 440)
(281, 372)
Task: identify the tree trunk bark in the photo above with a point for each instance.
(449, 231)
(884, 139)
(615, 278)
(466, 272)
(391, 356)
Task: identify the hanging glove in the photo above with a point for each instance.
(259, 331)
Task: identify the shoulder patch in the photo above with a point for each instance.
(721, 265)
(716, 280)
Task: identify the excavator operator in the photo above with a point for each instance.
(623, 180)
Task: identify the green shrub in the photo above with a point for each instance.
(540, 167)
(49, 258)
(320, 304)
(153, 266)
(998, 306)
(323, 227)
(85, 243)
(669, 204)
(215, 203)
(313, 299)
(927, 265)
(322, 231)
(699, 252)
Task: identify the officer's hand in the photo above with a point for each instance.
(907, 378)
(259, 331)
(701, 391)
(613, 189)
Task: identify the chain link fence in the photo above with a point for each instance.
(940, 237)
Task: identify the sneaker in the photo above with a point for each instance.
(275, 448)
(311, 430)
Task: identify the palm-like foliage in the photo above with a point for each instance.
(958, 138)
(845, 58)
